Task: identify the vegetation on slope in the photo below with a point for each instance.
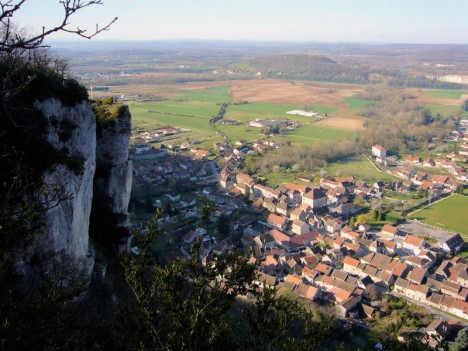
(321, 68)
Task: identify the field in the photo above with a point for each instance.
(191, 106)
(358, 104)
(356, 166)
(448, 214)
(445, 94)
(360, 168)
(313, 133)
(444, 110)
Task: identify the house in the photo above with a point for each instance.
(261, 190)
(266, 280)
(415, 244)
(438, 330)
(417, 275)
(226, 180)
(269, 265)
(279, 238)
(282, 209)
(277, 221)
(389, 230)
(298, 214)
(351, 265)
(307, 291)
(351, 235)
(333, 225)
(324, 269)
(428, 162)
(300, 227)
(412, 159)
(379, 151)
(453, 244)
(344, 307)
(416, 292)
(315, 198)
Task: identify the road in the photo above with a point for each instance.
(435, 312)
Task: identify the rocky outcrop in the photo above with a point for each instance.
(113, 180)
(91, 182)
(66, 194)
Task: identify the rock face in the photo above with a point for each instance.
(95, 176)
(65, 235)
(113, 179)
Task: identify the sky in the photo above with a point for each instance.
(388, 21)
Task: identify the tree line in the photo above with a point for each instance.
(322, 68)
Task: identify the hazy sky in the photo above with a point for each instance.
(397, 21)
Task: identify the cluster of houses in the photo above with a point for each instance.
(344, 266)
(156, 167)
(300, 208)
(308, 248)
(152, 136)
(408, 171)
(243, 148)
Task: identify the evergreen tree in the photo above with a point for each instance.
(223, 225)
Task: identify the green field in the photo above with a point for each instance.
(360, 168)
(445, 94)
(253, 110)
(358, 104)
(356, 166)
(311, 133)
(192, 110)
(448, 214)
(444, 110)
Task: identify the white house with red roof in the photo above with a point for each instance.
(379, 151)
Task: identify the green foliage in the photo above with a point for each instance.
(362, 218)
(45, 84)
(399, 122)
(223, 225)
(208, 207)
(461, 341)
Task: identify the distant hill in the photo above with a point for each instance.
(322, 68)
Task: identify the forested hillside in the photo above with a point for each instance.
(322, 68)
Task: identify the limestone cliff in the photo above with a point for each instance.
(113, 180)
(94, 179)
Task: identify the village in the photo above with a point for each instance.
(305, 237)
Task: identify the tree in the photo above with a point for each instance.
(223, 225)
(380, 217)
(362, 218)
(461, 341)
(352, 221)
(12, 39)
(207, 210)
(247, 195)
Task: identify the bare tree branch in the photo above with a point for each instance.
(12, 40)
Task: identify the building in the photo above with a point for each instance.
(379, 151)
(315, 198)
(453, 244)
(277, 221)
(299, 227)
